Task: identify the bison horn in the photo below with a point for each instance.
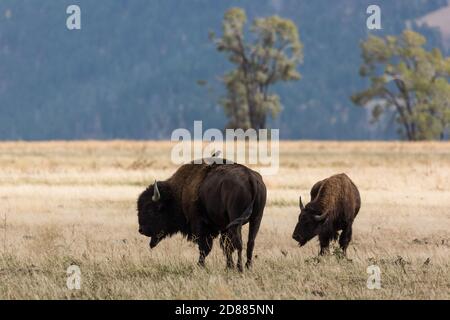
(156, 194)
(320, 217)
(301, 204)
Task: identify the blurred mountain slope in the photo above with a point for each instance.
(132, 70)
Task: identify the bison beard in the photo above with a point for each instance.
(335, 202)
(202, 201)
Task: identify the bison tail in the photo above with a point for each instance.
(247, 212)
(244, 218)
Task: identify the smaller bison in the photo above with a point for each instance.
(334, 204)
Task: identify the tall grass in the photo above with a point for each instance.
(64, 203)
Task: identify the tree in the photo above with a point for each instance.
(271, 56)
(410, 80)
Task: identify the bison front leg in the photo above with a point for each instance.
(204, 245)
(324, 240)
(345, 238)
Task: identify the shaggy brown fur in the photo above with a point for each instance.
(334, 204)
(202, 200)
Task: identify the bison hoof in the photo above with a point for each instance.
(248, 265)
(201, 264)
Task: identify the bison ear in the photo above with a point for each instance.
(156, 195)
(300, 203)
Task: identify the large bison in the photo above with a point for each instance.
(202, 201)
(335, 202)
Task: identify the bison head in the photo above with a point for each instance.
(156, 213)
(308, 225)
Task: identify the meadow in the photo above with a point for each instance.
(65, 203)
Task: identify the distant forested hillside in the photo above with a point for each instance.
(132, 71)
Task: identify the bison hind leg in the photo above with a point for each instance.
(227, 247)
(232, 240)
(252, 232)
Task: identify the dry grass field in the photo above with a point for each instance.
(64, 203)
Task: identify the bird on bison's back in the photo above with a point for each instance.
(201, 201)
(334, 204)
